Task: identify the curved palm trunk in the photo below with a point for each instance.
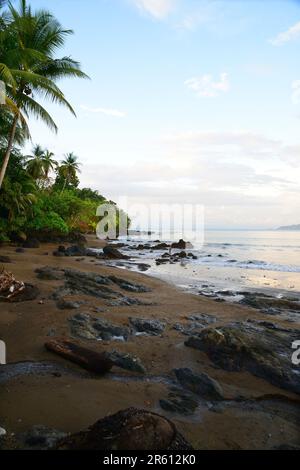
(9, 149)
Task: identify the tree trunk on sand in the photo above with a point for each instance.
(90, 360)
(9, 149)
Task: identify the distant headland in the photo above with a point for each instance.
(289, 227)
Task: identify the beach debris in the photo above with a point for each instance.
(199, 383)
(127, 361)
(2, 432)
(87, 327)
(130, 429)
(9, 286)
(262, 351)
(147, 326)
(86, 358)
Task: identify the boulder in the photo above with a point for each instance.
(86, 358)
(201, 384)
(112, 253)
(181, 245)
(129, 429)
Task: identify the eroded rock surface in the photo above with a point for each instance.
(260, 350)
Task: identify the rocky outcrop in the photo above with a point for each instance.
(147, 326)
(130, 429)
(49, 273)
(86, 358)
(269, 304)
(199, 383)
(260, 350)
(87, 327)
(93, 284)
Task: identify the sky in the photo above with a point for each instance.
(189, 102)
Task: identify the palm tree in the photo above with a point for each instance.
(35, 163)
(29, 68)
(49, 163)
(69, 168)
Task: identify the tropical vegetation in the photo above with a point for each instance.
(37, 192)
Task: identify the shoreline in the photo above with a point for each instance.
(69, 402)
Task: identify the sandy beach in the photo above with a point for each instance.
(71, 400)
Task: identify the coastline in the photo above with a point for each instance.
(69, 402)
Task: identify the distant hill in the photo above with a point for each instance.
(289, 227)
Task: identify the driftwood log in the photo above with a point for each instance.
(86, 358)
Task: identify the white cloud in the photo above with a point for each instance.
(107, 111)
(205, 86)
(292, 33)
(296, 91)
(159, 9)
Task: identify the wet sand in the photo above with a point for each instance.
(71, 402)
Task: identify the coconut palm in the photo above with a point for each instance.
(35, 163)
(49, 164)
(29, 67)
(69, 168)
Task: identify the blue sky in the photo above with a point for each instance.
(189, 101)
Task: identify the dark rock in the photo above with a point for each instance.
(20, 250)
(112, 253)
(181, 245)
(127, 361)
(200, 384)
(143, 267)
(160, 246)
(87, 327)
(40, 438)
(58, 254)
(180, 402)
(31, 243)
(130, 429)
(49, 273)
(262, 351)
(86, 358)
(129, 286)
(148, 326)
(5, 259)
(182, 254)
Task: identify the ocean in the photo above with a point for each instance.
(227, 260)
